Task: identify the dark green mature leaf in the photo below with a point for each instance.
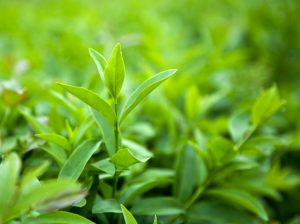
(129, 219)
(58, 154)
(114, 72)
(125, 157)
(106, 206)
(186, 176)
(9, 172)
(108, 132)
(266, 105)
(216, 212)
(143, 90)
(93, 100)
(56, 139)
(75, 164)
(100, 62)
(158, 206)
(241, 198)
(133, 191)
(58, 217)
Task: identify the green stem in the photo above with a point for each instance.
(246, 138)
(116, 175)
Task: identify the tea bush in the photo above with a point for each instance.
(215, 140)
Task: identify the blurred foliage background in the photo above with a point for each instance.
(231, 48)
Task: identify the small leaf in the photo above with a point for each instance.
(36, 125)
(143, 90)
(114, 72)
(125, 157)
(58, 217)
(155, 220)
(158, 206)
(9, 172)
(106, 166)
(58, 154)
(241, 198)
(100, 62)
(129, 219)
(266, 105)
(238, 126)
(56, 139)
(93, 100)
(75, 164)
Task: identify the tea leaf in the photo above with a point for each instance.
(143, 90)
(108, 132)
(125, 157)
(129, 219)
(39, 194)
(100, 62)
(56, 139)
(93, 100)
(266, 105)
(158, 206)
(75, 164)
(114, 72)
(60, 217)
(241, 198)
(9, 172)
(106, 206)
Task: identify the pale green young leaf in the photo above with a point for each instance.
(155, 220)
(60, 217)
(125, 157)
(143, 90)
(114, 72)
(35, 124)
(267, 104)
(41, 194)
(93, 100)
(241, 198)
(129, 219)
(9, 172)
(75, 164)
(56, 139)
(100, 62)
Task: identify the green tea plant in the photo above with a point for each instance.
(168, 163)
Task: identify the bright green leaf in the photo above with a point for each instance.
(100, 62)
(75, 164)
(114, 72)
(266, 105)
(9, 172)
(58, 217)
(93, 100)
(143, 90)
(125, 157)
(56, 139)
(129, 219)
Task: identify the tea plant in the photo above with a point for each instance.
(164, 164)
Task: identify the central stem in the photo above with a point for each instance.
(116, 175)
